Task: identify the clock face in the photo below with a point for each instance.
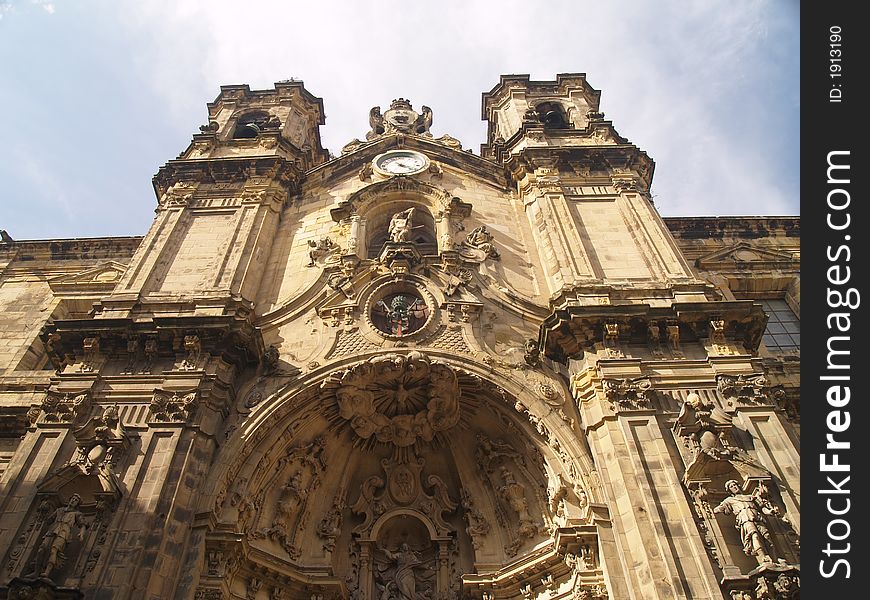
(401, 162)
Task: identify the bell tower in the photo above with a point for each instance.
(219, 202)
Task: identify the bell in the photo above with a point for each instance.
(553, 119)
(252, 129)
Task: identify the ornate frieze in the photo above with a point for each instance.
(744, 389)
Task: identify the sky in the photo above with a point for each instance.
(95, 95)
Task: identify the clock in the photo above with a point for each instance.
(400, 162)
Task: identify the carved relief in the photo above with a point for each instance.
(403, 488)
(397, 399)
(399, 118)
(744, 389)
(60, 407)
(320, 248)
(515, 494)
(296, 475)
(173, 407)
(501, 463)
(329, 527)
(782, 586)
(478, 245)
(478, 526)
(100, 440)
(628, 393)
(705, 428)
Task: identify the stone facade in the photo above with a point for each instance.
(406, 372)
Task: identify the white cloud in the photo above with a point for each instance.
(688, 82)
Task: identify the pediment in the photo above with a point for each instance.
(745, 256)
(103, 277)
(439, 198)
(99, 484)
(445, 150)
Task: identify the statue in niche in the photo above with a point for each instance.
(50, 554)
(515, 493)
(293, 494)
(401, 225)
(405, 576)
(749, 511)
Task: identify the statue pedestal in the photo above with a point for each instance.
(38, 589)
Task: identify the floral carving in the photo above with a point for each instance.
(397, 399)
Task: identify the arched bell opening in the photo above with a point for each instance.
(250, 124)
(552, 115)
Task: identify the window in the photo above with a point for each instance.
(783, 333)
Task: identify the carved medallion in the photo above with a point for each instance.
(400, 314)
(397, 399)
(403, 484)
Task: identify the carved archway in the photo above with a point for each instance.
(429, 455)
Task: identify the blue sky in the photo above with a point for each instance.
(95, 95)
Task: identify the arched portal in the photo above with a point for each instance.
(405, 458)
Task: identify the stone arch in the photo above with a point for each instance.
(248, 124)
(302, 482)
(378, 226)
(372, 207)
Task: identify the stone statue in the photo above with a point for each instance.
(749, 511)
(401, 225)
(515, 493)
(404, 579)
(50, 554)
(482, 239)
(293, 494)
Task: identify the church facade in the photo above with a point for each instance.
(406, 372)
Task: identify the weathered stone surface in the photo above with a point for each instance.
(406, 372)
